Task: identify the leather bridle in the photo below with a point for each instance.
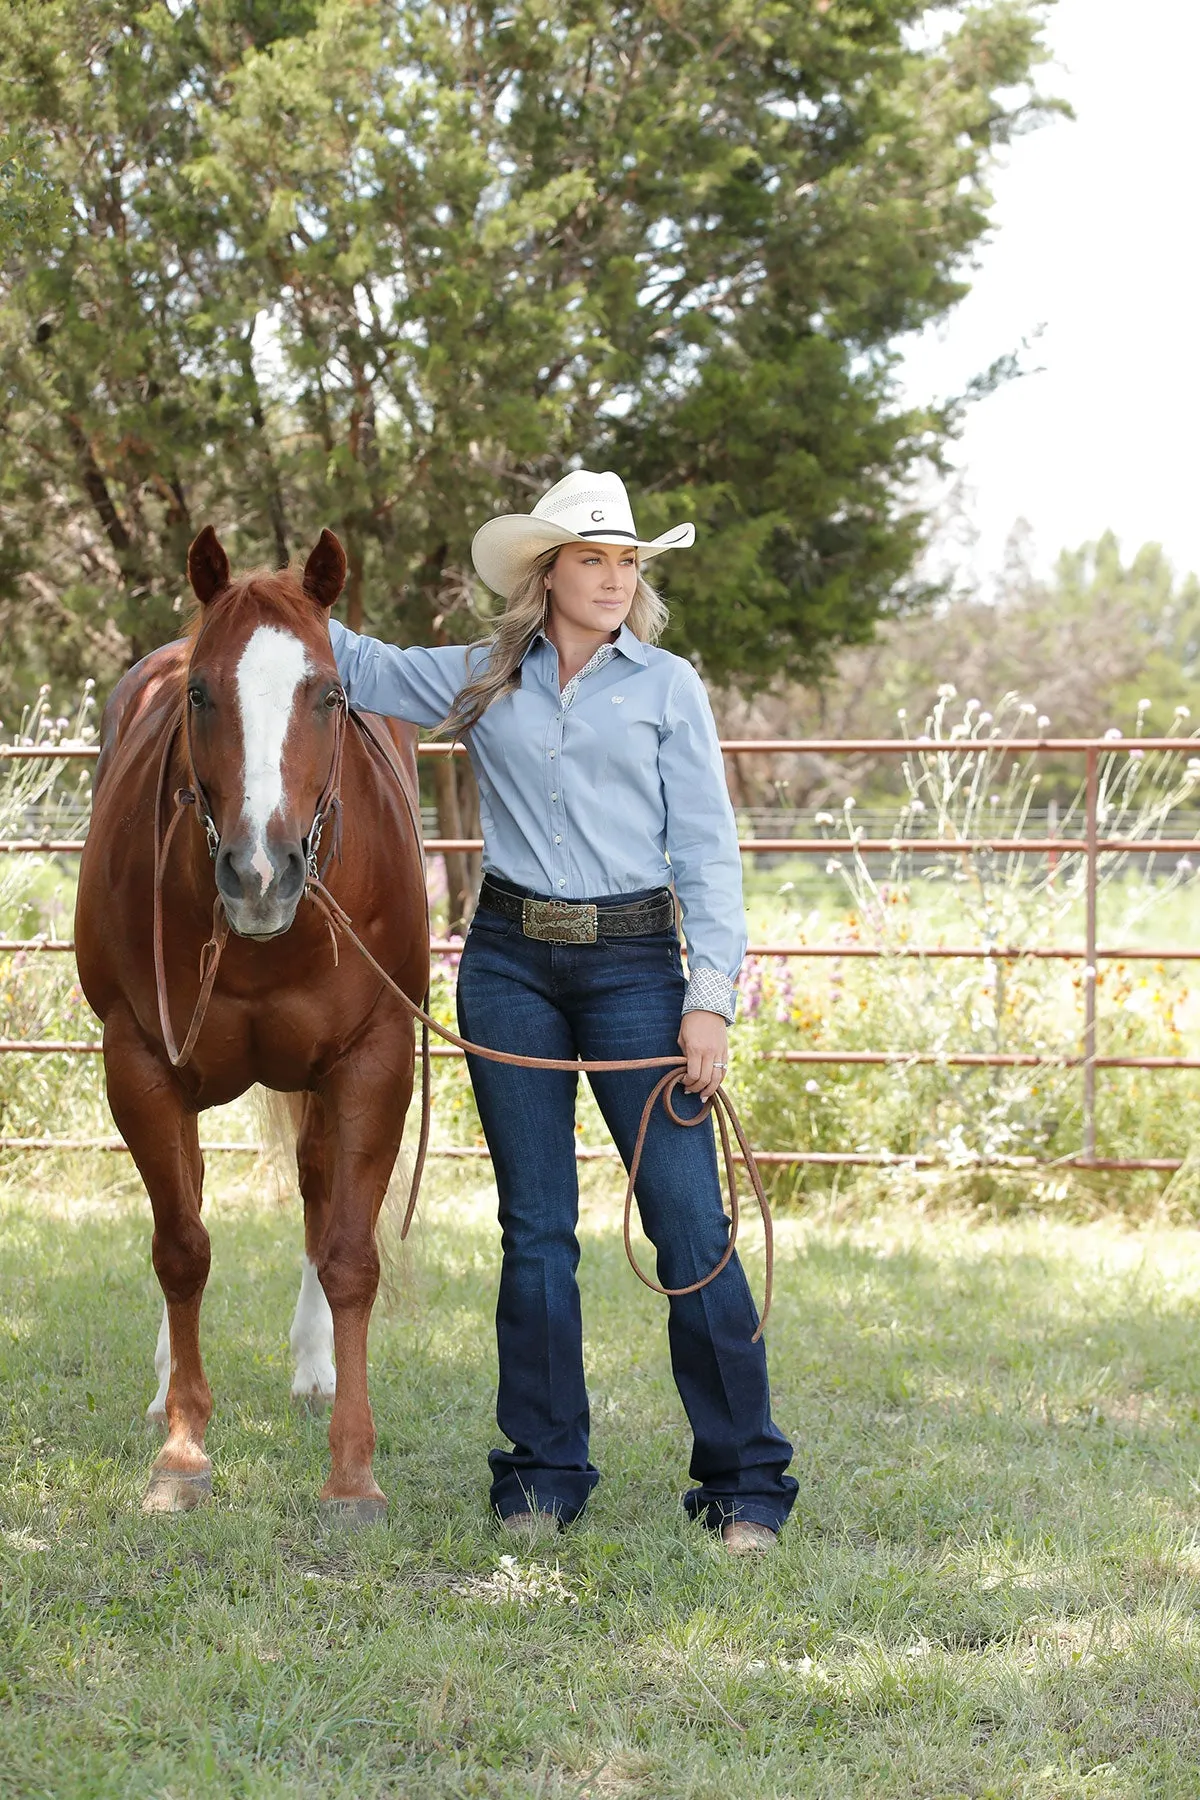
(339, 924)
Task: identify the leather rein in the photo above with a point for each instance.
(193, 797)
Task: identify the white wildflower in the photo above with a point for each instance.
(824, 818)
(1043, 720)
(833, 866)
(812, 1087)
(947, 691)
(1114, 731)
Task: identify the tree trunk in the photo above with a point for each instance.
(354, 577)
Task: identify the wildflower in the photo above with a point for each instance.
(1043, 719)
(1136, 755)
(1183, 712)
(833, 866)
(1114, 731)
(947, 691)
(1143, 706)
(918, 806)
(985, 718)
(825, 818)
(1025, 708)
(848, 803)
(902, 712)
(812, 1087)
(1184, 865)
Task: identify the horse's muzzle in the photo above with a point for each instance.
(260, 887)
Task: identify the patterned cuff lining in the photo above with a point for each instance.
(710, 991)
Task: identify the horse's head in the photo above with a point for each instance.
(264, 713)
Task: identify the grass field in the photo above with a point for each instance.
(990, 1587)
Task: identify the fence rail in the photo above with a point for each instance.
(1090, 846)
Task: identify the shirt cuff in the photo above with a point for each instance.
(710, 991)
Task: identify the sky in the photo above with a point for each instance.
(1094, 261)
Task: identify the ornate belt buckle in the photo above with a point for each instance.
(559, 921)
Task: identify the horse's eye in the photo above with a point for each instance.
(334, 699)
(196, 697)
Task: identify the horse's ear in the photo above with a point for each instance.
(325, 570)
(208, 566)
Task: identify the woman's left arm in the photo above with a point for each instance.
(706, 866)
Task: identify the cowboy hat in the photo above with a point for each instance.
(582, 507)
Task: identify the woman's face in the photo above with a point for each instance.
(591, 586)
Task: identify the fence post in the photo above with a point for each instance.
(1090, 971)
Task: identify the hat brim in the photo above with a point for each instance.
(503, 549)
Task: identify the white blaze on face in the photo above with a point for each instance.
(271, 668)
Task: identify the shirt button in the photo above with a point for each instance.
(562, 884)
(552, 756)
(554, 796)
(558, 840)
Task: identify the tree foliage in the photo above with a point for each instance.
(390, 266)
(1099, 644)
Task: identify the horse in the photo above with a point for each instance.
(243, 725)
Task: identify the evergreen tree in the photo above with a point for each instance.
(390, 266)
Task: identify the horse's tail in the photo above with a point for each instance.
(279, 1117)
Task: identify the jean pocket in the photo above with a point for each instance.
(653, 948)
(492, 924)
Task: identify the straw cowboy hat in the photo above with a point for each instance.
(580, 507)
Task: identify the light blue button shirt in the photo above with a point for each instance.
(612, 784)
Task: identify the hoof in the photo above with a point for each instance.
(352, 1515)
(170, 1492)
(316, 1404)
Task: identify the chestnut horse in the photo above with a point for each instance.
(246, 721)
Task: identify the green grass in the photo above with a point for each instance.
(990, 1586)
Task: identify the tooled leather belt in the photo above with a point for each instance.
(579, 921)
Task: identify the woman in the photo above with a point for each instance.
(597, 760)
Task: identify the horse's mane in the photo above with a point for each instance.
(277, 592)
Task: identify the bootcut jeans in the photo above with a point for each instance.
(616, 998)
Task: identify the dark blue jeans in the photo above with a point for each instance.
(612, 999)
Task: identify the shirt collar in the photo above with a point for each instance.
(625, 641)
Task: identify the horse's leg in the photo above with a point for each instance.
(365, 1100)
(313, 1381)
(164, 1138)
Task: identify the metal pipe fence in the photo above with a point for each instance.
(1091, 846)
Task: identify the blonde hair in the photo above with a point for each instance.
(524, 615)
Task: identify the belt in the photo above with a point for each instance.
(579, 921)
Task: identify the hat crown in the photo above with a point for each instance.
(589, 504)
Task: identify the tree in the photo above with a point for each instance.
(1084, 648)
(390, 264)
